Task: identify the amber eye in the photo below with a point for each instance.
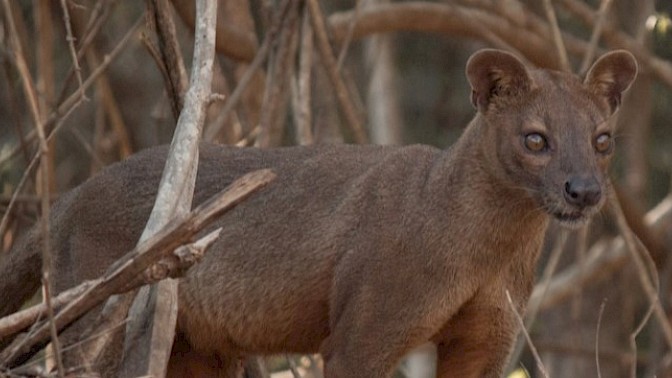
(535, 142)
(603, 143)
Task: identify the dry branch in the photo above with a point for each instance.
(12, 324)
(521, 324)
(275, 96)
(99, 15)
(603, 258)
(531, 36)
(174, 265)
(557, 36)
(448, 19)
(231, 41)
(161, 15)
(646, 272)
(43, 177)
(151, 330)
(71, 47)
(134, 263)
(354, 119)
(595, 37)
(246, 79)
(302, 88)
(534, 303)
(59, 114)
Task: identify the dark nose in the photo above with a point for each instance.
(582, 192)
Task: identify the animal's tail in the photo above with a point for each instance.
(20, 272)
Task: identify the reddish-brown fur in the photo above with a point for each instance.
(364, 252)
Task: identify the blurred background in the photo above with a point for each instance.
(356, 71)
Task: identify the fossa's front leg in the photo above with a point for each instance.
(370, 332)
(477, 341)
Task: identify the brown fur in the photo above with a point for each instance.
(364, 252)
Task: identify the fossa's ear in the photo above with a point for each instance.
(495, 75)
(611, 75)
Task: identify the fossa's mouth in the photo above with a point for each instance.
(569, 216)
(574, 219)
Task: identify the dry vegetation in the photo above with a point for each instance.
(87, 83)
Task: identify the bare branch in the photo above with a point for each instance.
(603, 258)
(345, 45)
(269, 40)
(132, 264)
(533, 349)
(176, 85)
(648, 275)
(150, 333)
(231, 41)
(534, 303)
(557, 36)
(531, 38)
(275, 96)
(17, 322)
(43, 175)
(71, 47)
(301, 91)
(354, 120)
(597, 339)
(61, 113)
(595, 36)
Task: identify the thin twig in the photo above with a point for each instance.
(153, 51)
(595, 37)
(262, 52)
(216, 97)
(604, 258)
(90, 150)
(76, 344)
(632, 339)
(45, 74)
(55, 343)
(248, 139)
(533, 349)
(63, 111)
(71, 46)
(37, 114)
(275, 97)
(13, 109)
(110, 107)
(292, 366)
(648, 276)
(18, 321)
(534, 304)
(348, 36)
(160, 14)
(581, 249)
(492, 37)
(597, 339)
(353, 118)
(98, 17)
(557, 36)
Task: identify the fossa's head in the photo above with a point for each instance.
(550, 133)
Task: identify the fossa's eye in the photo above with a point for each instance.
(603, 143)
(535, 142)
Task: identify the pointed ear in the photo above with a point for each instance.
(611, 75)
(495, 75)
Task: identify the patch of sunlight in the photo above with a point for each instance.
(659, 22)
(519, 373)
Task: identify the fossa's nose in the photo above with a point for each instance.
(582, 191)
